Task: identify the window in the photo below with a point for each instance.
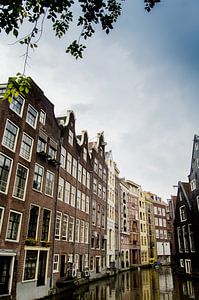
(69, 163)
(185, 238)
(5, 171)
(104, 175)
(79, 173)
(94, 212)
(83, 176)
(88, 180)
(180, 242)
(103, 217)
(38, 177)
(17, 105)
(70, 137)
(74, 168)
(14, 225)
(77, 227)
(10, 135)
(96, 165)
(160, 222)
(84, 154)
(67, 192)
(33, 221)
(42, 117)
(60, 189)
(159, 211)
(63, 157)
(191, 238)
(81, 237)
(157, 233)
(56, 263)
(91, 263)
(155, 210)
(193, 184)
(182, 263)
(87, 205)
(46, 225)
(161, 234)
(99, 190)
(156, 221)
(165, 234)
(31, 117)
(78, 199)
(163, 212)
(95, 186)
(164, 223)
(183, 215)
(58, 225)
(72, 196)
(52, 151)
(86, 230)
(30, 264)
(49, 183)
(71, 229)
(26, 147)
(83, 202)
(20, 182)
(42, 142)
(197, 162)
(100, 170)
(65, 227)
(98, 216)
(1, 217)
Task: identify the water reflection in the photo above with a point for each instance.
(138, 285)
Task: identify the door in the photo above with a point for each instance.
(81, 263)
(63, 266)
(5, 262)
(41, 278)
(97, 264)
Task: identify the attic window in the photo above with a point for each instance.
(70, 137)
(183, 215)
(84, 154)
(193, 184)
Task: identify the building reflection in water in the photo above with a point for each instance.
(138, 285)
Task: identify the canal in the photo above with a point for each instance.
(146, 284)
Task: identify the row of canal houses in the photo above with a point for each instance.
(184, 211)
(64, 210)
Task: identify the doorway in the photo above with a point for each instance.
(5, 264)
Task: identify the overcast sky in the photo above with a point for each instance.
(139, 84)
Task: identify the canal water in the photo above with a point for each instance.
(146, 284)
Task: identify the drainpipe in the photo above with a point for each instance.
(90, 218)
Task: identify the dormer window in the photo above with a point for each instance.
(70, 137)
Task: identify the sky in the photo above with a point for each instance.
(139, 84)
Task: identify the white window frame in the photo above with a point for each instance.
(31, 147)
(73, 223)
(83, 202)
(182, 219)
(24, 193)
(72, 195)
(58, 228)
(42, 178)
(87, 204)
(16, 136)
(27, 121)
(38, 219)
(19, 228)
(63, 157)
(182, 263)
(77, 229)
(60, 192)
(84, 176)
(88, 180)
(188, 266)
(193, 184)
(70, 137)
(85, 154)
(67, 192)
(9, 173)
(42, 119)
(74, 168)
(22, 105)
(53, 183)
(69, 163)
(56, 263)
(65, 222)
